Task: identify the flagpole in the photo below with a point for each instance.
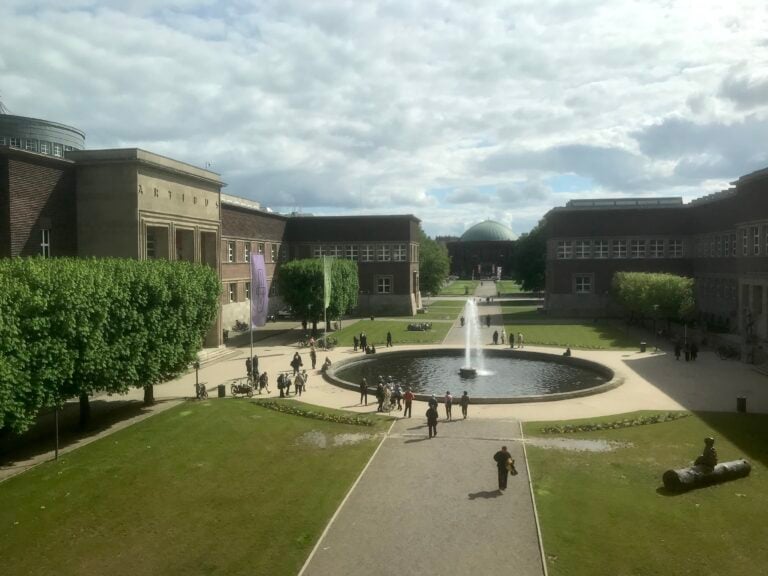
(250, 307)
(325, 320)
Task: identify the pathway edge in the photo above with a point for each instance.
(533, 502)
(344, 501)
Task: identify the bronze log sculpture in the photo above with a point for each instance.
(699, 475)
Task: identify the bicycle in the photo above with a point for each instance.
(727, 352)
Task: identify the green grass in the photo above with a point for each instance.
(504, 287)
(376, 331)
(600, 336)
(457, 287)
(217, 487)
(604, 513)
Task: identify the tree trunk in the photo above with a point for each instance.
(149, 395)
(85, 411)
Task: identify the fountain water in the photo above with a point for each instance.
(472, 342)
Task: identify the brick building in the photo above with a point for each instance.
(132, 203)
(720, 240)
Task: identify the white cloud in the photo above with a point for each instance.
(368, 106)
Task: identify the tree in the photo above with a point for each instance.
(654, 295)
(434, 264)
(73, 327)
(301, 285)
(530, 259)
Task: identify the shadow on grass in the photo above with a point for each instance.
(40, 439)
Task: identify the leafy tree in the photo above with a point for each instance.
(654, 295)
(530, 259)
(73, 327)
(434, 264)
(301, 285)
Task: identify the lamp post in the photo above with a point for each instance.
(655, 334)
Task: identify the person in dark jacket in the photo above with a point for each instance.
(355, 342)
(709, 456)
(296, 363)
(313, 357)
(380, 396)
(432, 421)
(502, 459)
(464, 403)
(364, 392)
(389, 339)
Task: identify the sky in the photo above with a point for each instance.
(454, 111)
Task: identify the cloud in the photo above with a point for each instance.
(350, 107)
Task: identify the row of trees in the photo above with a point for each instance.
(72, 327)
(655, 295)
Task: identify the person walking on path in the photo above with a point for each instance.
(694, 351)
(255, 366)
(433, 402)
(355, 342)
(511, 339)
(364, 392)
(408, 396)
(464, 402)
(363, 340)
(502, 458)
(398, 395)
(313, 357)
(296, 363)
(389, 339)
(432, 421)
(520, 340)
(678, 349)
(503, 336)
(249, 369)
(298, 382)
(448, 404)
(488, 320)
(495, 337)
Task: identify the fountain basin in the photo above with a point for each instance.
(511, 376)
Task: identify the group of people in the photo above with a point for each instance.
(298, 380)
(448, 400)
(361, 343)
(690, 348)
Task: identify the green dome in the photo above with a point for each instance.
(488, 231)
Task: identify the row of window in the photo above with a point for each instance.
(366, 252)
(33, 145)
(275, 250)
(752, 240)
(635, 248)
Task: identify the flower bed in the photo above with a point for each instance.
(626, 423)
(286, 408)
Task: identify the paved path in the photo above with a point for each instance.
(432, 507)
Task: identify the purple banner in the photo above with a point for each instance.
(259, 291)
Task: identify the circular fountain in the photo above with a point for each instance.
(489, 375)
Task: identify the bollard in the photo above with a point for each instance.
(222, 390)
(741, 404)
(642, 346)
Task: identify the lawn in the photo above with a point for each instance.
(459, 288)
(376, 331)
(513, 313)
(217, 487)
(505, 287)
(606, 513)
(438, 310)
(595, 336)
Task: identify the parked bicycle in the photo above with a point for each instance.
(728, 352)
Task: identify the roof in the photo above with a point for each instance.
(488, 231)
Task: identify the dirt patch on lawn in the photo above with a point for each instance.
(320, 440)
(576, 445)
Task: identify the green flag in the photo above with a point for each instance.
(327, 266)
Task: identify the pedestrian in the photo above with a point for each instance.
(687, 349)
(448, 404)
(503, 336)
(432, 421)
(380, 397)
(432, 402)
(287, 382)
(464, 402)
(387, 403)
(355, 342)
(389, 338)
(511, 339)
(313, 357)
(298, 383)
(249, 368)
(255, 366)
(520, 340)
(326, 364)
(408, 396)
(398, 393)
(363, 340)
(503, 459)
(364, 392)
(678, 349)
(296, 363)
(462, 321)
(488, 320)
(281, 385)
(694, 351)
(495, 337)
(264, 383)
